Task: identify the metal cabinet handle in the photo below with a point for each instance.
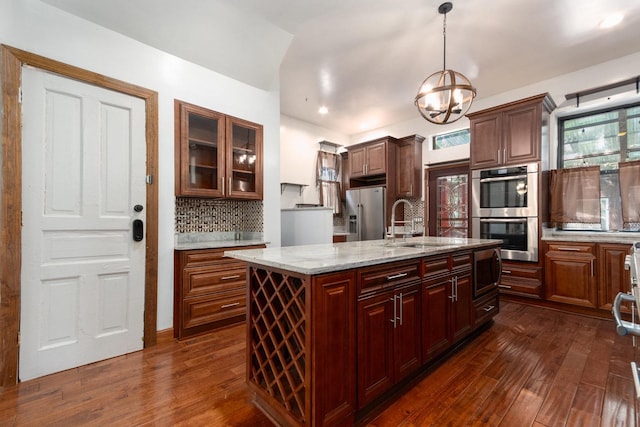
(504, 286)
(592, 267)
(233, 304)
(397, 276)
(237, 276)
(564, 248)
(401, 315)
(489, 308)
(222, 179)
(499, 157)
(506, 271)
(393, 319)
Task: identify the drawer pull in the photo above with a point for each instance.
(397, 276)
(489, 308)
(237, 276)
(504, 286)
(564, 248)
(233, 304)
(506, 271)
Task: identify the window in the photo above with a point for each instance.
(602, 138)
(451, 139)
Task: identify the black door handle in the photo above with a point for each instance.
(138, 230)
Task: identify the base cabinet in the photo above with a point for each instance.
(446, 303)
(388, 340)
(209, 291)
(521, 279)
(586, 274)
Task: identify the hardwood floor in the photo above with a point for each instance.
(533, 367)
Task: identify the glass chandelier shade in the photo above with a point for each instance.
(445, 96)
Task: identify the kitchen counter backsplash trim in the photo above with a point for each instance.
(212, 240)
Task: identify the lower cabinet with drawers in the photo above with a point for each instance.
(209, 290)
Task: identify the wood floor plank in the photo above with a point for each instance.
(533, 367)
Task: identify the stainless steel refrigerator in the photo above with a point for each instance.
(366, 213)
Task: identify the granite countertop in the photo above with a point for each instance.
(213, 240)
(591, 236)
(325, 258)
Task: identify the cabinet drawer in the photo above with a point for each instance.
(205, 280)
(485, 308)
(195, 258)
(386, 276)
(511, 271)
(436, 266)
(207, 309)
(572, 247)
(521, 286)
(461, 261)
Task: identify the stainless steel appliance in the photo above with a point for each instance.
(488, 269)
(366, 213)
(519, 236)
(505, 192)
(504, 205)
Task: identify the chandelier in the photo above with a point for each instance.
(445, 96)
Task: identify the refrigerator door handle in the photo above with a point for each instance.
(359, 222)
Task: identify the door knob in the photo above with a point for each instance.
(138, 208)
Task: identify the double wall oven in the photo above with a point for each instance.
(504, 205)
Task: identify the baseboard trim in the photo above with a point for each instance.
(165, 336)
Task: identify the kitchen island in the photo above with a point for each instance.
(334, 329)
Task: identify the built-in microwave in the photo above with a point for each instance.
(519, 236)
(510, 191)
(488, 269)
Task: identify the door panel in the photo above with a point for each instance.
(82, 274)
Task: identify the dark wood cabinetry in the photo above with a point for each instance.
(209, 291)
(612, 276)
(570, 270)
(388, 327)
(521, 279)
(514, 133)
(409, 166)
(368, 159)
(216, 155)
(446, 302)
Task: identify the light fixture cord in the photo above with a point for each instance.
(444, 37)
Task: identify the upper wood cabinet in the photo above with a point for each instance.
(216, 155)
(510, 134)
(409, 166)
(368, 159)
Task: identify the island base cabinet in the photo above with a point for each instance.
(287, 338)
(388, 340)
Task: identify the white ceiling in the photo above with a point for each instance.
(364, 59)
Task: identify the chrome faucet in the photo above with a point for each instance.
(392, 234)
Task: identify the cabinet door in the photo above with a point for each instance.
(357, 162)
(570, 278)
(376, 159)
(486, 144)
(244, 159)
(462, 313)
(334, 330)
(375, 347)
(409, 168)
(522, 138)
(435, 318)
(408, 342)
(199, 151)
(612, 277)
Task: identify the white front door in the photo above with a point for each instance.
(83, 186)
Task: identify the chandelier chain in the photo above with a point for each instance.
(444, 37)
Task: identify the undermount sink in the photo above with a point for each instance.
(417, 245)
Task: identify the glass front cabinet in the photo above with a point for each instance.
(217, 155)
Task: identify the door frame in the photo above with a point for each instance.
(11, 62)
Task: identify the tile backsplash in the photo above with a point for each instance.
(205, 215)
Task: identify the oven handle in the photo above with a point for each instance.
(503, 220)
(503, 178)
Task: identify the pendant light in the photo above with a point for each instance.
(445, 96)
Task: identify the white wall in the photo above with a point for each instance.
(38, 28)
(298, 153)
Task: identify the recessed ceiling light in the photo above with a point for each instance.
(323, 110)
(611, 20)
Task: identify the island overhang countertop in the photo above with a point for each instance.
(326, 258)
